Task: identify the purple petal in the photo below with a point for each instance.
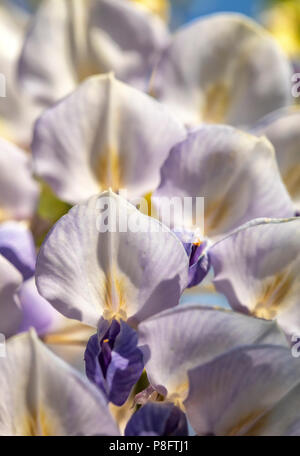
(19, 191)
(17, 246)
(199, 264)
(199, 261)
(36, 311)
(157, 419)
(10, 308)
(114, 363)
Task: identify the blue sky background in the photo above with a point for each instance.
(185, 10)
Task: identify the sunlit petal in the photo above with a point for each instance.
(104, 135)
(85, 38)
(87, 269)
(257, 268)
(282, 129)
(229, 71)
(235, 172)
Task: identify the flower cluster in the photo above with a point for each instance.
(115, 321)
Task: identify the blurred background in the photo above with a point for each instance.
(281, 17)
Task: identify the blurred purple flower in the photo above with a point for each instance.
(25, 307)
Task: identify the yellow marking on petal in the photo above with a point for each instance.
(198, 243)
(179, 395)
(145, 206)
(214, 214)
(84, 65)
(70, 334)
(292, 180)
(216, 102)
(106, 340)
(115, 298)
(108, 170)
(273, 298)
(37, 424)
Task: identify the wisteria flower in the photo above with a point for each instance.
(236, 174)
(257, 268)
(282, 129)
(230, 71)
(21, 305)
(180, 339)
(104, 135)
(17, 111)
(107, 259)
(122, 319)
(84, 38)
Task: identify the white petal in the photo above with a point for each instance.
(188, 336)
(104, 135)
(257, 268)
(85, 272)
(231, 393)
(282, 129)
(42, 395)
(229, 71)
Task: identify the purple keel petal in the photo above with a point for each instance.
(157, 419)
(114, 363)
